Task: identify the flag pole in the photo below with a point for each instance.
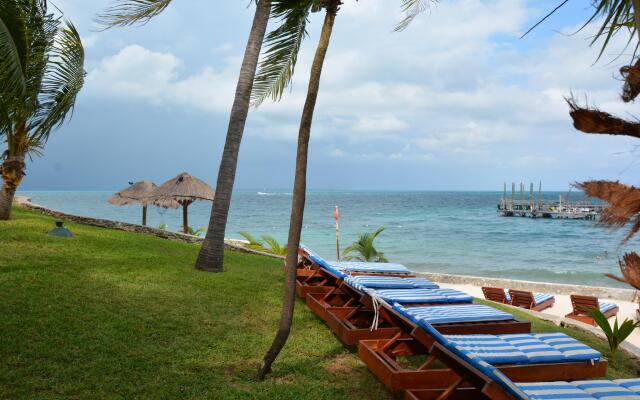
(336, 216)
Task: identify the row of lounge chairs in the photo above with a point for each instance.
(392, 314)
(582, 305)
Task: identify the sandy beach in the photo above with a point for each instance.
(562, 306)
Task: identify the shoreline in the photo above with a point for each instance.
(626, 299)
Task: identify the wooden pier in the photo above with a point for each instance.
(532, 206)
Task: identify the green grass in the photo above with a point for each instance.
(111, 314)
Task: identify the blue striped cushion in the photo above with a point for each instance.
(475, 361)
(534, 349)
(539, 298)
(603, 389)
(424, 295)
(554, 391)
(489, 348)
(604, 307)
(322, 263)
(631, 384)
(359, 266)
(453, 313)
(572, 349)
(389, 282)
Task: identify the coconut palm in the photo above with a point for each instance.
(41, 73)
(411, 9)
(279, 64)
(299, 187)
(363, 249)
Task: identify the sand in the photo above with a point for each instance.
(562, 307)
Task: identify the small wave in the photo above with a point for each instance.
(273, 194)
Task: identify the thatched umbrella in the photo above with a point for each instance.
(139, 193)
(185, 189)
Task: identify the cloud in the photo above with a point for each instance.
(136, 72)
(457, 85)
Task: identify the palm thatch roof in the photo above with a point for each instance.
(138, 193)
(183, 188)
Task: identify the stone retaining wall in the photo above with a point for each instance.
(25, 202)
(542, 287)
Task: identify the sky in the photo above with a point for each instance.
(455, 102)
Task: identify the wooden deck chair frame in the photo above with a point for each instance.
(582, 305)
(381, 357)
(353, 324)
(467, 381)
(495, 294)
(524, 299)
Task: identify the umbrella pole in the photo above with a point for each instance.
(144, 214)
(185, 218)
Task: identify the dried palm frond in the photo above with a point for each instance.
(631, 75)
(624, 203)
(630, 267)
(591, 120)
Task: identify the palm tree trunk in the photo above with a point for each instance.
(211, 256)
(299, 192)
(12, 170)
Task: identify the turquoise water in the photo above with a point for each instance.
(455, 232)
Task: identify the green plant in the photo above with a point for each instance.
(196, 232)
(274, 246)
(254, 243)
(163, 226)
(616, 334)
(41, 73)
(363, 249)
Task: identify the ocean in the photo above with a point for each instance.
(446, 232)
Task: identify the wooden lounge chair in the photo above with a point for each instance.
(313, 271)
(498, 295)
(473, 378)
(583, 305)
(347, 296)
(531, 301)
(540, 356)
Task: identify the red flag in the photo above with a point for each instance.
(336, 214)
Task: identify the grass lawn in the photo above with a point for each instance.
(110, 314)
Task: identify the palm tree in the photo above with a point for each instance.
(411, 9)
(364, 249)
(280, 62)
(41, 73)
(299, 187)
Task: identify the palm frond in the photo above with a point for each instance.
(274, 245)
(411, 9)
(62, 82)
(282, 45)
(364, 249)
(254, 243)
(613, 16)
(623, 207)
(131, 12)
(13, 49)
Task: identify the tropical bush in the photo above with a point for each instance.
(363, 249)
(196, 232)
(266, 243)
(616, 334)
